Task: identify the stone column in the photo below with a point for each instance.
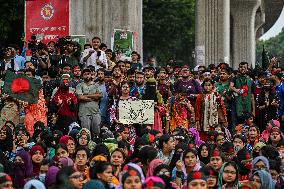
(101, 17)
(243, 13)
(212, 31)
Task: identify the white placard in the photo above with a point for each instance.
(137, 111)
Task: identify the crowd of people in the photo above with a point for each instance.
(214, 127)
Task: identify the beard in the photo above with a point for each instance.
(185, 76)
(87, 79)
(64, 87)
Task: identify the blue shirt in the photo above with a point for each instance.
(280, 94)
(20, 61)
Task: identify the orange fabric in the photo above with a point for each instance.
(34, 113)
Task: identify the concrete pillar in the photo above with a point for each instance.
(101, 17)
(259, 21)
(212, 31)
(243, 13)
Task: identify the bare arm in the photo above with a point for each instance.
(84, 98)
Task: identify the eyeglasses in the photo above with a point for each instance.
(167, 173)
(78, 176)
(230, 172)
(220, 139)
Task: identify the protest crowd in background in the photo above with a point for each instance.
(63, 127)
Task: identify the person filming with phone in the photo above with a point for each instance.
(94, 56)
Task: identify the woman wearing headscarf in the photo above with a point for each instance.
(70, 143)
(5, 181)
(35, 184)
(50, 178)
(164, 172)
(22, 168)
(244, 162)
(37, 155)
(260, 163)
(151, 93)
(203, 153)
(275, 137)
(152, 166)
(262, 179)
(189, 162)
(228, 176)
(196, 180)
(266, 133)
(131, 177)
(65, 104)
(212, 177)
(69, 178)
(154, 183)
(6, 140)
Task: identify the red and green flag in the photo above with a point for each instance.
(22, 87)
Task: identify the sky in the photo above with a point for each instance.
(276, 28)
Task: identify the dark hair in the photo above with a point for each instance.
(101, 70)
(121, 84)
(139, 72)
(103, 45)
(116, 66)
(108, 51)
(206, 80)
(87, 44)
(81, 148)
(30, 70)
(86, 70)
(231, 163)
(45, 162)
(96, 38)
(99, 167)
(131, 72)
(119, 150)
(147, 154)
(62, 177)
(101, 149)
(208, 170)
(189, 150)
(218, 134)
(53, 72)
(243, 63)
(242, 137)
(63, 146)
(270, 152)
(160, 167)
(123, 144)
(164, 139)
(275, 165)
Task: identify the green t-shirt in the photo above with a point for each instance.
(220, 88)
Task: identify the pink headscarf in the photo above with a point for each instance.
(265, 134)
(152, 166)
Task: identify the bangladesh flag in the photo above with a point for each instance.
(21, 87)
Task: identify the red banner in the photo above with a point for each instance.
(47, 19)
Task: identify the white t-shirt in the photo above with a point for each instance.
(92, 60)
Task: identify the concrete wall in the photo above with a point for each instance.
(101, 17)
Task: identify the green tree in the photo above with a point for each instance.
(11, 21)
(168, 30)
(274, 47)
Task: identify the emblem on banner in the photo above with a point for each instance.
(47, 11)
